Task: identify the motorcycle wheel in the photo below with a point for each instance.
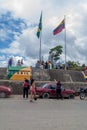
(82, 96)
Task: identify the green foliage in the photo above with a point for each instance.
(75, 65)
(83, 66)
(56, 52)
(55, 55)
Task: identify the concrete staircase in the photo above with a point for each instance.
(62, 75)
(67, 77)
(40, 74)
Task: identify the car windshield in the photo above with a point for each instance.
(62, 87)
(50, 86)
(44, 85)
(53, 86)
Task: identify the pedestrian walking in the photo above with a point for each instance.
(32, 91)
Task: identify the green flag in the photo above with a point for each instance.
(39, 26)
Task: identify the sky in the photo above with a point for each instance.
(19, 21)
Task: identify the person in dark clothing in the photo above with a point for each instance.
(25, 88)
(58, 90)
(46, 65)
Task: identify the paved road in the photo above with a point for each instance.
(19, 114)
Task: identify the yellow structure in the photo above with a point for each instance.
(19, 73)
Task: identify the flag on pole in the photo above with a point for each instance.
(59, 28)
(39, 26)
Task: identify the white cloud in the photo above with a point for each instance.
(13, 49)
(27, 44)
(2, 57)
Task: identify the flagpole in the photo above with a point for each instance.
(40, 48)
(41, 39)
(65, 41)
(39, 34)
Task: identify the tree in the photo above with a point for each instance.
(55, 53)
(74, 65)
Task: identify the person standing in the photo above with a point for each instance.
(25, 88)
(58, 90)
(32, 90)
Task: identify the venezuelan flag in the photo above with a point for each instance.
(59, 28)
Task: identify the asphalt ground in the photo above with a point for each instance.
(17, 113)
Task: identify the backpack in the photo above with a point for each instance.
(27, 83)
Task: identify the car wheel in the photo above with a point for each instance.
(2, 94)
(82, 96)
(72, 96)
(46, 95)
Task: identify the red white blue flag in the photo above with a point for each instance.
(59, 28)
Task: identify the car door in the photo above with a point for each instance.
(64, 92)
(52, 90)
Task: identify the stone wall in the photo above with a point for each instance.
(3, 73)
(17, 86)
(58, 74)
(46, 75)
(70, 79)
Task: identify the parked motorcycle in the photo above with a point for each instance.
(83, 93)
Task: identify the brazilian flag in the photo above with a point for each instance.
(39, 26)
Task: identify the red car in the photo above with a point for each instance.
(5, 91)
(49, 90)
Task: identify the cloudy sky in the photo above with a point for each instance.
(19, 22)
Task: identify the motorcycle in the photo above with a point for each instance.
(83, 93)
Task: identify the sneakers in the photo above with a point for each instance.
(35, 98)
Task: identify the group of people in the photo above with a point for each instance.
(44, 65)
(29, 86)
